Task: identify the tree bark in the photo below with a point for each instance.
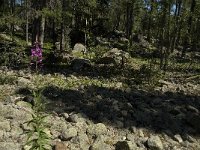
(129, 21)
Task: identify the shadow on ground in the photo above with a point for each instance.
(169, 113)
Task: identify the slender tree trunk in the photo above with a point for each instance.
(42, 28)
(188, 36)
(12, 6)
(129, 21)
(150, 21)
(62, 37)
(27, 17)
(54, 33)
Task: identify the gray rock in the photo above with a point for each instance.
(99, 144)
(25, 105)
(78, 47)
(18, 114)
(10, 146)
(133, 129)
(97, 129)
(65, 115)
(75, 118)
(69, 133)
(5, 125)
(23, 81)
(16, 132)
(178, 138)
(2, 135)
(60, 146)
(83, 141)
(154, 143)
(125, 145)
(114, 56)
(81, 126)
(130, 137)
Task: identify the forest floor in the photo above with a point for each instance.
(103, 111)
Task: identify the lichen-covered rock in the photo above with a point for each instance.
(114, 56)
(97, 129)
(125, 145)
(154, 143)
(83, 141)
(5, 125)
(69, 133)
(60, 146)
(78, 47)
(10, 146)
(99, 144)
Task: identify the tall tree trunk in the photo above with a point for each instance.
(62, 37)
(150, 21)
(129, 21)
(54, 33)
(188, 36)
(42, 28)
(12, 6)
(27, 17)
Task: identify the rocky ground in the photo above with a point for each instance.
(88, 114)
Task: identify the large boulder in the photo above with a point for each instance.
(78, 47)
(80, 64)
(114, 56)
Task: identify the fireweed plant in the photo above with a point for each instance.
(36, 56)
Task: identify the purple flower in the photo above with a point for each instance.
(36, 54)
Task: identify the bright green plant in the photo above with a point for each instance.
(38, 137)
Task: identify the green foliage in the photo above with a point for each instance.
(98, 51)
(38, 137)
(149, 73)
(5, 79)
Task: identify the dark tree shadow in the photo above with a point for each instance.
(169, 112)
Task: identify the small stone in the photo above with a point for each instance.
(129, 105)
(125, 145)
(141, 133)
(23, 81)
(178, 138)
(99, 144)
(5, 125)
(133, 129)
(69, 133)
(24, 104)
(60, 146)
(2, 135)
(97, 129)
(65, 115)
(130, 137)
(154, 143)
(76, 118)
